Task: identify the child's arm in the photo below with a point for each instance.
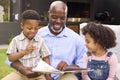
(48, 76)
(85, 61)
(113, 67)
(18, 55)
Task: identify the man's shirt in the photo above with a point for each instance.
(67, 46)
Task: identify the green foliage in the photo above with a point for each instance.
(6, 5)
(5, 17)
(4, 69)
(10, 38)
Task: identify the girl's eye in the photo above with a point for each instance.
(86, 41)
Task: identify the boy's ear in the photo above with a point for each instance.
(21, 25)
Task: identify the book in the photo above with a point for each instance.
(43, 67)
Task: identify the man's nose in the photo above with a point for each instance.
(58, 20)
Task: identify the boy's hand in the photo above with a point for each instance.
(28, 49)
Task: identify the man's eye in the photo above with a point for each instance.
(54, 17)
(62, 18)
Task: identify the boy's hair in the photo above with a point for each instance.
(30, 14)
(101, 34)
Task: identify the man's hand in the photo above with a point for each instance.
(48, 77)
(62, 65)
(24, 70)
(27, 71)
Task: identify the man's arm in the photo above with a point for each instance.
(27, 71)
(16, 65)
(48, 76)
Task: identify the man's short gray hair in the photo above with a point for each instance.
(55, 3)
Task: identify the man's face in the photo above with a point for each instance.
(57, 18)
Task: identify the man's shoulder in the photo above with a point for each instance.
(43, 28)
(72, 33)
(42, 31)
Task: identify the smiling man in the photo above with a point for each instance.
(66, 46)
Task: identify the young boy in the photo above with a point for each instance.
(27, 47)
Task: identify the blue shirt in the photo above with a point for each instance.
(67, 46)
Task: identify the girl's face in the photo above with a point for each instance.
(30, 28)
(91, 44)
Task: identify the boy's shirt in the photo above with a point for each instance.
(20, 42)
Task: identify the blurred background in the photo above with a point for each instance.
(79, 11)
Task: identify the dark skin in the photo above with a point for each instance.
(57, 16)
(27, 71)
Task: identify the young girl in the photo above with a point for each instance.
(102, 63)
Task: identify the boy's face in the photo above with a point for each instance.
(30, 28)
